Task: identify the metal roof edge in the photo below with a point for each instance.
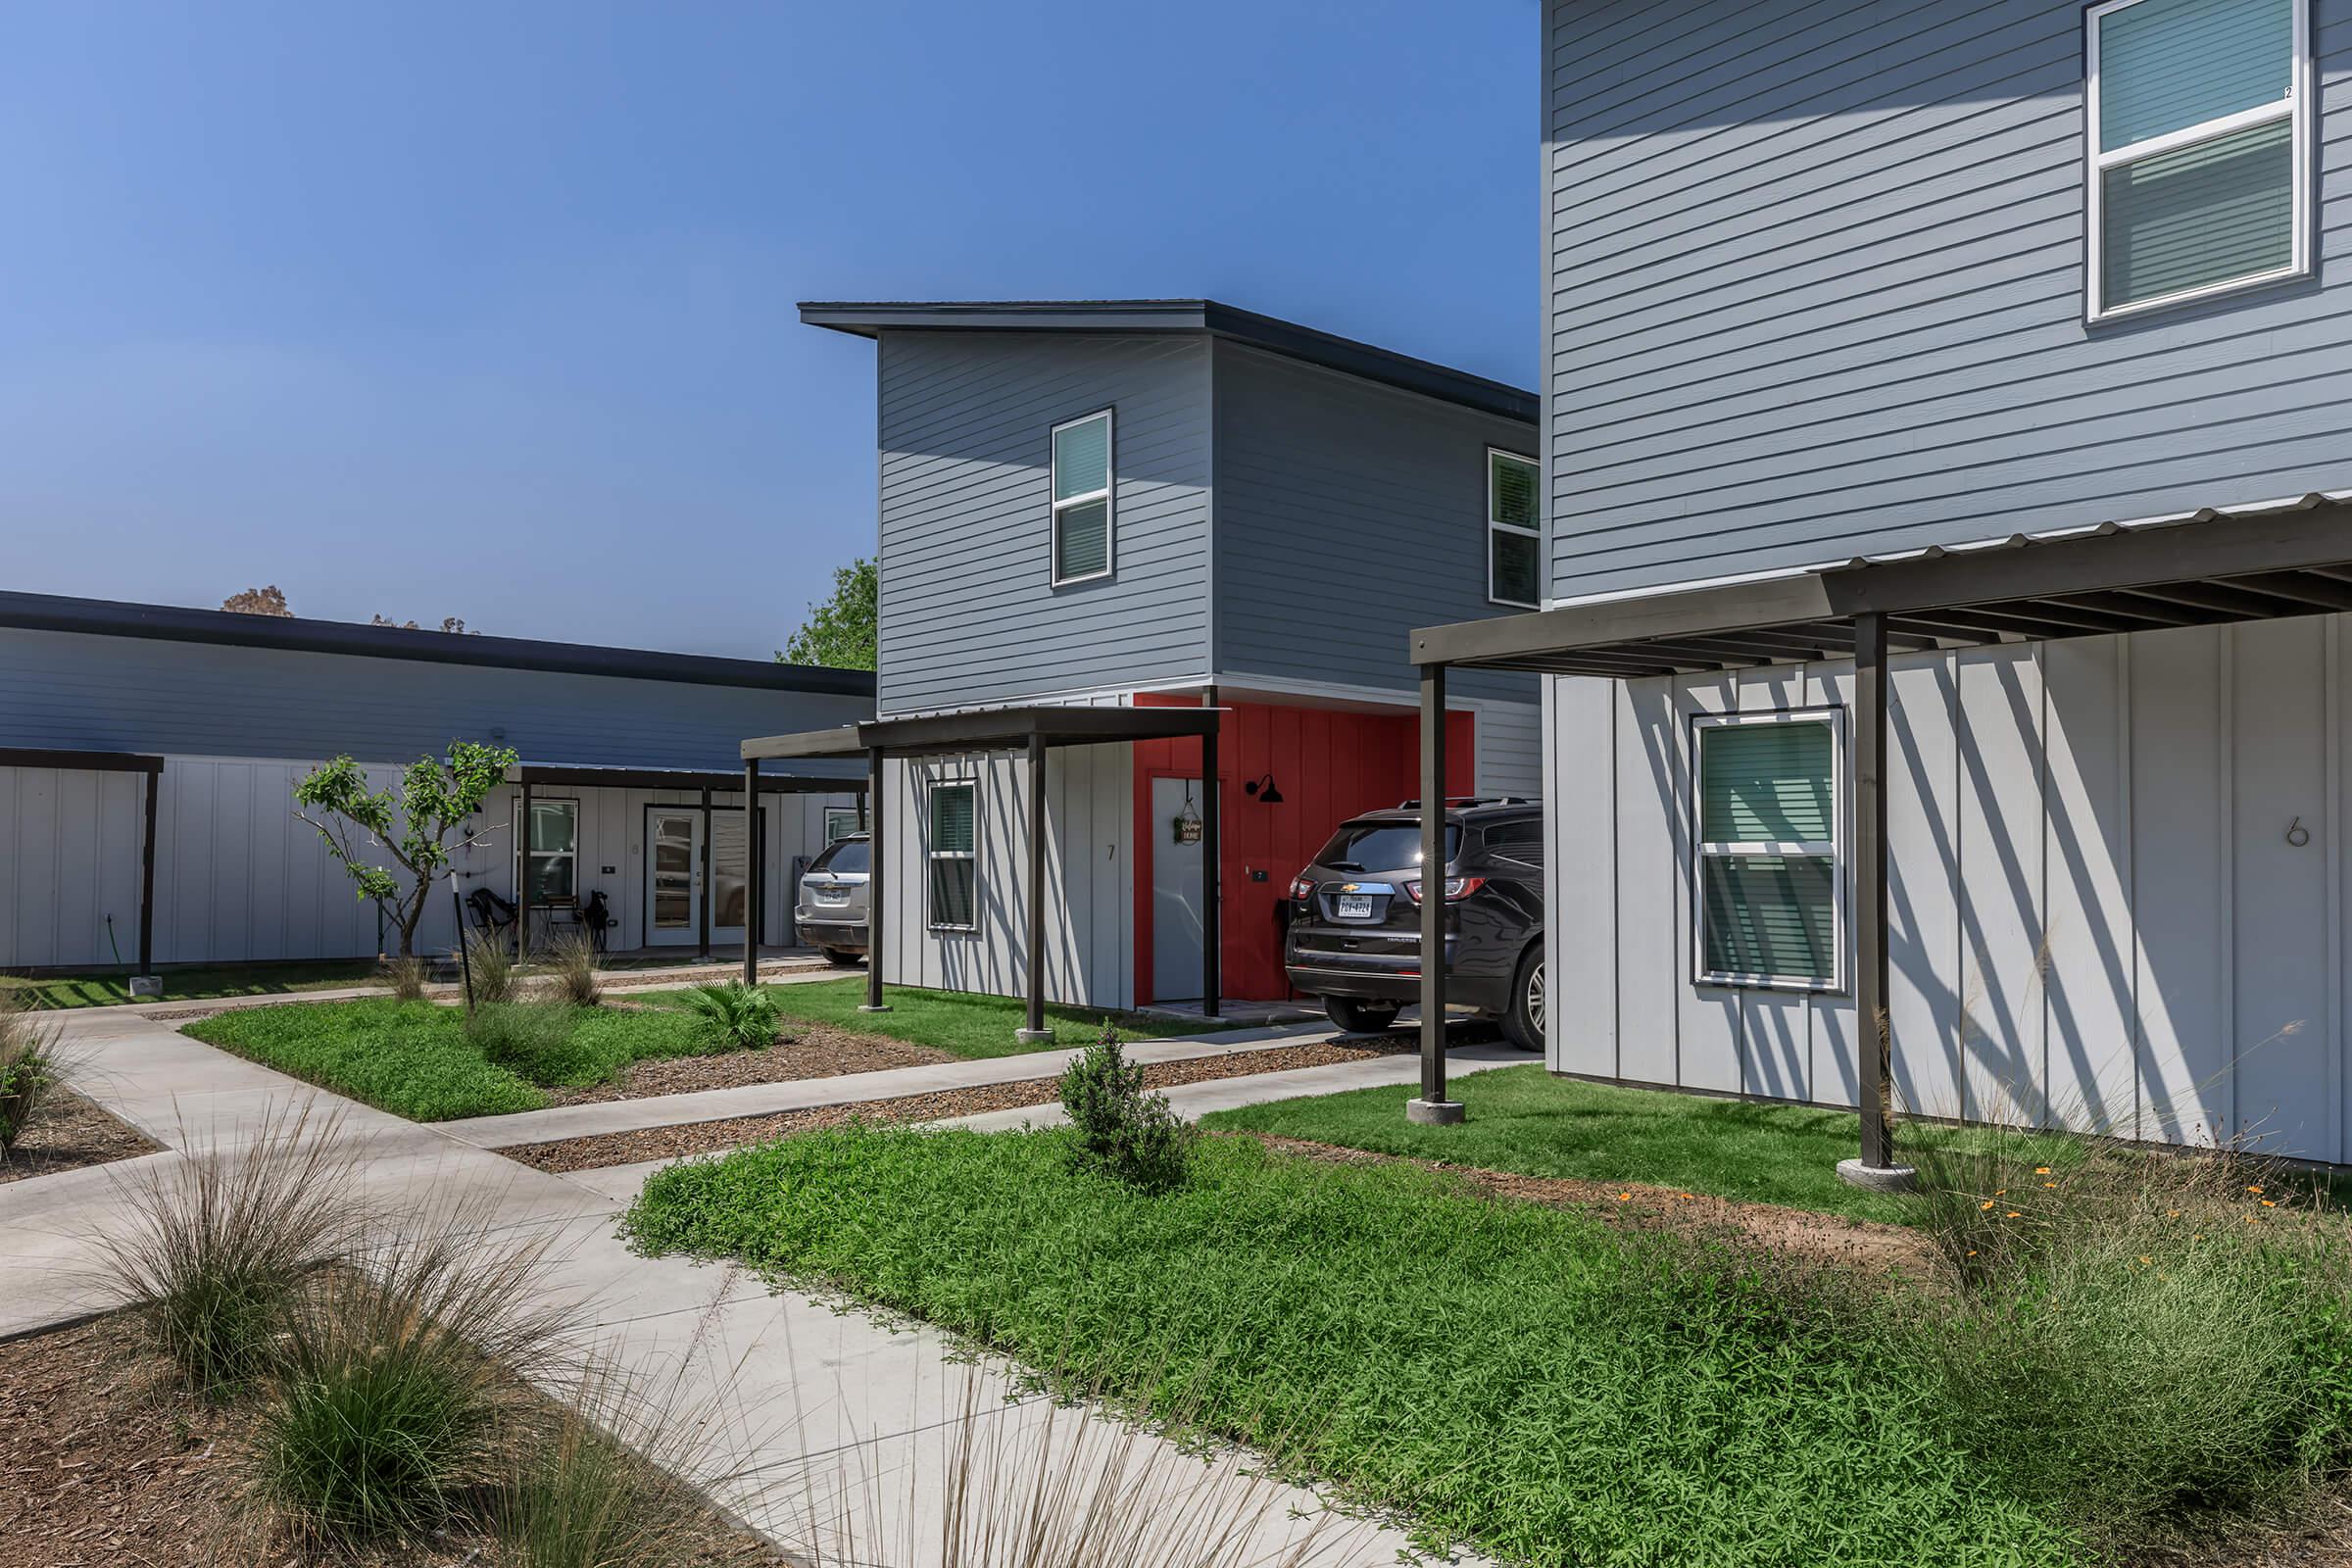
(108, 618)
(1349, 356)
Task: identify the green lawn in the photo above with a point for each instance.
(961, 1023)
(1523, 1119)
(414, 1058)
(1510, 1373)
(112, 987)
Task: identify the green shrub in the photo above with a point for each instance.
(742, 1017)
(30, 1071)
(1123, 1131)
(578, 1497)
(532, 1040)
(213, 1246)
(389, 1382)
(489, 968)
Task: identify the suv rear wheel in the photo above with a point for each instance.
(1360, 1017)
(1522, 1024)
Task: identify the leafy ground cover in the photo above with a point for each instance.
(417, 1059)
(961, 1023)
(1557, 1392)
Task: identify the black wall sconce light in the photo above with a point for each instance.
(1263, 788)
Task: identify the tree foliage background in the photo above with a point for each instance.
(840, 631)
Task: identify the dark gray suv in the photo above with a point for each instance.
(1355, 917)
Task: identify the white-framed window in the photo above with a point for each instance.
(840, 822)
(549, 854)
(1083, 502)
(2199, 147)
(1767, 836)
(1515, 530)
(951, 853)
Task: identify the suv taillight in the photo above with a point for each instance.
(1302, 888)
(1457, 888)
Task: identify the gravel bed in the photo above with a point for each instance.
(72, 1132)
(810, 1051)
(109, 1467)
(705, 1136)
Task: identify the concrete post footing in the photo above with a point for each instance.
(1034, 1037)
(1877, 1178)
(1434, 1112)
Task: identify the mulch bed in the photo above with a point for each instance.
(108, 1466)
(706, 1137)
(1818, 1237)
(810, 1051)
(72, 1132)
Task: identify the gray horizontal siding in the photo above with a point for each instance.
(81, 691)
(1347, 514)
(1816, 289)
(969, 612)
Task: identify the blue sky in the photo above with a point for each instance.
(487, 309)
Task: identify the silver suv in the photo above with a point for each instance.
(831, 911)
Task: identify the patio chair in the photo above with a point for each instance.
(491, 913)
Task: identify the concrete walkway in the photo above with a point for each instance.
(791, 967)
(836, 1436)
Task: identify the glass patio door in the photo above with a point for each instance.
(682, 848)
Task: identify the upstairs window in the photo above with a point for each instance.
(1769, 896)
(954, 853)
(1514, 531)
(1082, 499)
(2200, 148)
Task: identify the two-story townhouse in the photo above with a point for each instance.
(1947, 409)
(1169, 504)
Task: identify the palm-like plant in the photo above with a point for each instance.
(743, 1017)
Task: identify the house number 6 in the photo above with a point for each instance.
(2297, 834)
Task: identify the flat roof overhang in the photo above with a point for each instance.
(2201, 570)
(994, 729)
(589, 776)
(80, 761)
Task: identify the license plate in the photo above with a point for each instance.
(832, 895)
(1355, 905)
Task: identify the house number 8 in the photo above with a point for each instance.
(2297, 834)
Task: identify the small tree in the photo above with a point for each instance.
(270, 600)
(411, 827)
(840, 632)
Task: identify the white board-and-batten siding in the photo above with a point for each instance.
(1090, 878)
(2117, 884)
(239, 880)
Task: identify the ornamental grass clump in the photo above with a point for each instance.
(32, 1071)
(391, 1392)
(489, 969)
(532, 1038)
(741, 1017)
(215, 1245)
(2135, 1336)
(573, 973)
(1123, 1131)
(407, 974)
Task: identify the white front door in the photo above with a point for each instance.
(682, 850)
(1176, 881)
(673, 876)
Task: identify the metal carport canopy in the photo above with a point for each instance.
(2203, 568)
(1029, 730)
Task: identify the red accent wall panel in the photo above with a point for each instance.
(1329, 765)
